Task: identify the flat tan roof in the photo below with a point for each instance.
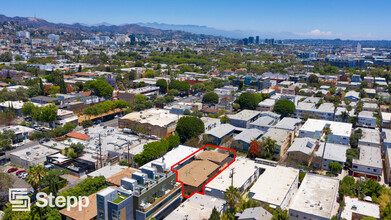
(87, 213)
(116, 178)
(196, 172)
(211, 156)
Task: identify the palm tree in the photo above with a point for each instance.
(326, 132)
(232, 195)
(344, 116)
(36, 174)
(268, 146)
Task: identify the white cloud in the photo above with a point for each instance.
(317, 32)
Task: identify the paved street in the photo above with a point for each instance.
(111, 123)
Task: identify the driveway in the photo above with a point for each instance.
(71, 181)
(19, 182)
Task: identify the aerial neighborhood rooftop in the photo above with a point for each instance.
(156, 124)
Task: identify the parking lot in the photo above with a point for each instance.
(19, 182)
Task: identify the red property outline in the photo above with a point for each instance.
(203, 187)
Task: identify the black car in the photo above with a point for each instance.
(2, 153)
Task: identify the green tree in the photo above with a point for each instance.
(351, 153)
(187, 112)
(326, 132)
(189, 127)
(224, 119)
(267, 146)
(386, 213)
(232, 196)
(210, 98)
(6, 57)
(172, 92)
(100, 88)
(214, 215)
(313, 79)
(249, 100)
(344, 116)
(49, 114)
(79, 86)
(87, 123)
(179, 85)
(284, 107)
(280, 214)
(335, 167)
(27, 108)
(141, 84)
(162, 84)
(36, 174)
(173, 141)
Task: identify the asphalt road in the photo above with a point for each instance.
(111, 123)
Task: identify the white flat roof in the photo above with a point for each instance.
(354, 205)
(337, 128)
(243, 168)
(196, 208)
(157, 117)
(334, 152)
(34, 153)
(248, 135)
(273, 185)
(244, 115)
(107, 171)
(221, 130)
(317, 195)
(174, 156)
(370, 136)
(369, 156)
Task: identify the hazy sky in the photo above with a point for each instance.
(353, 19)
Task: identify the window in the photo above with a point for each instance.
(355, 167)
(374, 170)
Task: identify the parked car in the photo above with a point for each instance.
(44, 140)
(12, 169)
(153, 137)
(24, 175)
(20, 172)
(49, 166)
(2, 153)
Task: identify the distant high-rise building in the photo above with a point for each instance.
(269, 41)
(251, 40)
(257, 40)
(240, 42)
(23, 34)
(358, 48)
(245, 41)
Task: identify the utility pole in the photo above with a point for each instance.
(128, 155)
(100, 153)
(232, 176)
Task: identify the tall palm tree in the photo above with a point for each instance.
(36, 174)
(326, 132)
(344, 116)
(232, 195)
(268, 146)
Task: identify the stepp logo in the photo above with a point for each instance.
(19, 199)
